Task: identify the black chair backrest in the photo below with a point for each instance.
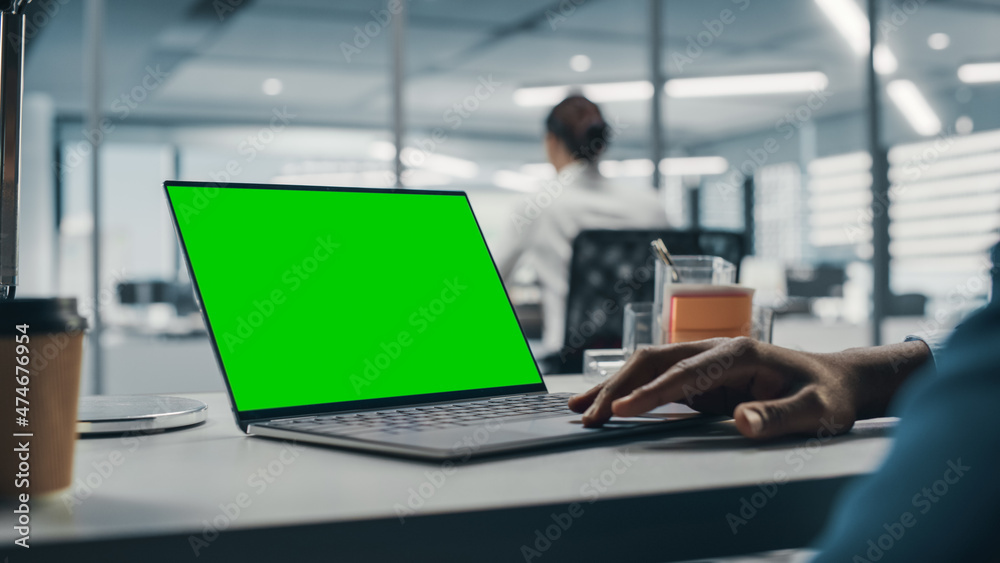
(180, 295)
(612, 268)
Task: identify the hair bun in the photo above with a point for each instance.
(595, 140)
(578, 123)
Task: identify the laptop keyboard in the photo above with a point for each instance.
(433, 417)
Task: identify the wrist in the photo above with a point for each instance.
(872, 376)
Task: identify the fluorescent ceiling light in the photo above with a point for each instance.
(540, 96)
(603, 92)
(632, 168)
(885, 61)
(963, 244)
(365, 179)
(746, 85)
(619, 91)
(938, 41)
(693, 166)
(945, 226)
(382, 150)
(457, 167)
(423, 178)
(838, 236)
(850, 21)
(843, 200)
(958, 266)
(840, 164)
(510, 180)
(579, 63)
(416, 158)
(964, 205)
(714, 86)
(946, 168)
(842, 183)
(678, 166)
(836, 218)
(543, 170)
(949, 187)
(914, 106)
(964, 125)
(970, 144)
(977, 73)
(272, 86)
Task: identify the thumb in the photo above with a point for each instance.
(800, 413)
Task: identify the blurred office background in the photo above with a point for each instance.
(303, 92)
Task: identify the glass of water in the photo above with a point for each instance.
(600, 364)
(637, 330)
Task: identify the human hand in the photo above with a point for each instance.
(768, 390)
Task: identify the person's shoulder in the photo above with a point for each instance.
(979, 330)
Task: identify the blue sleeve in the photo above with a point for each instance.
(936, 345)
(937, 495)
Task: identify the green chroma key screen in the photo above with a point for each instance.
(328, 296)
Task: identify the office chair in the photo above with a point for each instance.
(180, 295)
(611, 268)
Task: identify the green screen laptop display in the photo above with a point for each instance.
(326, 296)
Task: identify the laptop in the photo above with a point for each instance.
(369, 319)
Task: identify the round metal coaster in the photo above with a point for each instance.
(118, 414)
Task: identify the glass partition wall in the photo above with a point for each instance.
(754, 117)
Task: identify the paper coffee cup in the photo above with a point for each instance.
(41, 350)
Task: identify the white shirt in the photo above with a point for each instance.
(544, 224)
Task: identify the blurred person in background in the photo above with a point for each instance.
(544, 224)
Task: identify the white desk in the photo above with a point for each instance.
(670, 501)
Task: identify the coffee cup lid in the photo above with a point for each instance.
(42, 315)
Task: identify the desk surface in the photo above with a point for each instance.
(175, 483)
